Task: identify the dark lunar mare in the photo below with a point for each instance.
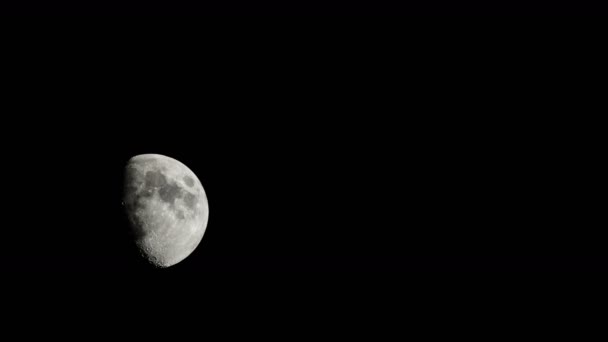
(153, 180)
(189, 181)
(167, 192)
(170, 192)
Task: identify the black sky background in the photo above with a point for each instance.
(334, 7)
(314, 167)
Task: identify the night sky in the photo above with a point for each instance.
(304, 171)
(333, 7)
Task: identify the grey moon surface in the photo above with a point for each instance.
(166, 207)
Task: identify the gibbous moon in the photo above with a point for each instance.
(166, 206)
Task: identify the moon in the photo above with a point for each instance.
(166, 207)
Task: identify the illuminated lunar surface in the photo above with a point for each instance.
(166, 206)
